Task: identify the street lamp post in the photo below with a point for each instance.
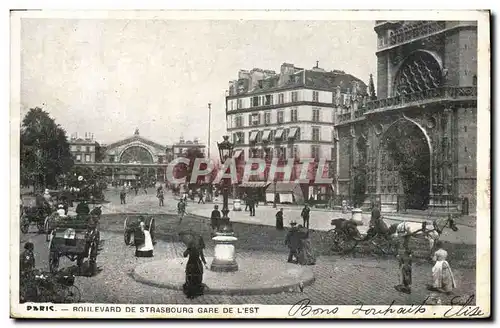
(224, 252)
(225, 152)
(209, 119)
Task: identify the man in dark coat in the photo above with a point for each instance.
(215, 218)
(305, 215)
(279, 219)
(82, 208)
(377, 225)
(293, 242)
(251, 205)
(123, 195)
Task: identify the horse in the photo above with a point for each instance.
(404, 230)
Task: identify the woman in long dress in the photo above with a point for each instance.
(194, 286)
(443, 279)
(306, 253)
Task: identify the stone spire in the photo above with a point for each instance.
(371, 88)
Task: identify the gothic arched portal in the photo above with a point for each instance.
(136, 154)
(404, 164)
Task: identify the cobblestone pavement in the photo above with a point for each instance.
(265, 215)
(338, 280)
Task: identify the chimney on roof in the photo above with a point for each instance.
(317, 63)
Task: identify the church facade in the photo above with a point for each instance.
(414, 145)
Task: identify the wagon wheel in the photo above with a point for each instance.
(386, 246)
(345, 242)
(40, 224)
(79, 261)
(127, 236)
(332, 240)
(53, 262)
(152, 229)
(72, 295)
(47, 228)
(93, 258)
(25, 223)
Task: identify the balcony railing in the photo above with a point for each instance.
(426, 96)
(347, 116)
(412, 32)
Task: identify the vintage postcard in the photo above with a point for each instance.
(250, 164)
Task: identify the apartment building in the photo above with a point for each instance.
(291, 114)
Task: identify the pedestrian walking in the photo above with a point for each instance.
(251, 201)
(136, 190)
(293, 242)
(194, 286)
(279, 219)
(247, 205)
(123, 195)
(161, 197)
(405, 270)
(305, 215)
(305, 253)
(443, 279)
(200, 195)
(215, 218)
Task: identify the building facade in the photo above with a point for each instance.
(133, 160)
(416, 143)
(83, 149)
(290, 114)
(183, 146)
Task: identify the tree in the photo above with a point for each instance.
(371, 88)
(44, 152)
(186, 170)
(100, 153)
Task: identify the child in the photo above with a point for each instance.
(405, 267)
(443, 280)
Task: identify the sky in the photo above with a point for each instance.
(111, 76)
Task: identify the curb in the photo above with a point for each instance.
(228, 292)
(383, 216)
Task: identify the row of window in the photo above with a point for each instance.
(79, 157)
(268, 100)
(284, 153)
(255, 119)
(79, 148)
(294, 96)
(279, 135)
(267, 136)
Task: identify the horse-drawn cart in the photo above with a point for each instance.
(33, 210)
(345, 237)
(74, 238)
(132, 223)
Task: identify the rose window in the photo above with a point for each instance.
(418, 73)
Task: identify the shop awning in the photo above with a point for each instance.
(282, 187)
(253, 136)
(292, 133)
(265, 135)
(237, 153)
(254, 184)
(279, 134)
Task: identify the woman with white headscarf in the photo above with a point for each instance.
(443, 279)
(143, 242)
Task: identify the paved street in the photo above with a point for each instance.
(338, 280)
(265, 215)
(349, 279)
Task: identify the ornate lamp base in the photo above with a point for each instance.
(224, 257)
